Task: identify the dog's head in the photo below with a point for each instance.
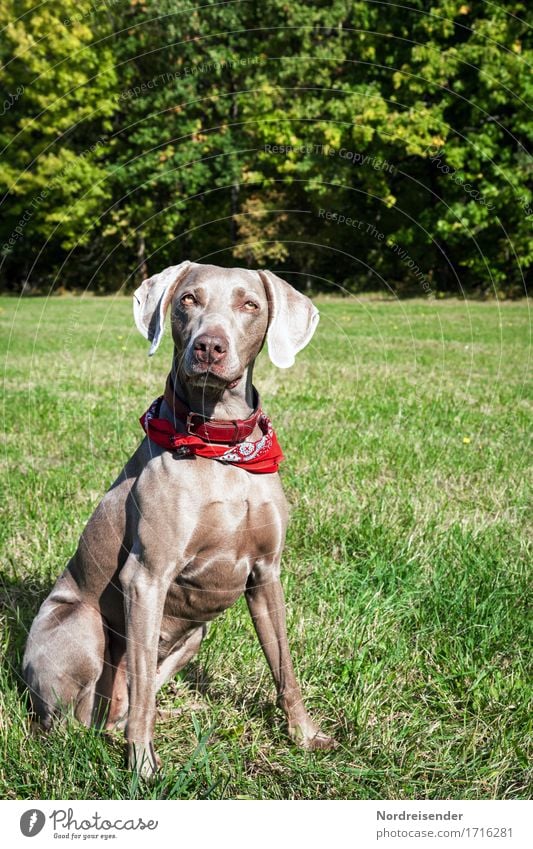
(221, 317)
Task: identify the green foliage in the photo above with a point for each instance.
(150, 131)
(54, 136)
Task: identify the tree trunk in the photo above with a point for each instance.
(142, 267)
(234, 194)
(234, 212)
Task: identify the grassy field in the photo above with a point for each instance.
(406, 567)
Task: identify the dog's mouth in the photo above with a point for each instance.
(209, 376)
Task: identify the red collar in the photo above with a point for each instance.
(228, 432)
(261, 457)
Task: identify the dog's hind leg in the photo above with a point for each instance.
(180, 655)
(64, 661)
(116, 682)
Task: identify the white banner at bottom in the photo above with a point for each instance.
(269, 824)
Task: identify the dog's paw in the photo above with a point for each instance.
(143, 760)
(321, 741)
(311, 738)
(116, 723)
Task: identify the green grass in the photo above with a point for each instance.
(406, 567)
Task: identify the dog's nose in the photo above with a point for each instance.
(210, 348)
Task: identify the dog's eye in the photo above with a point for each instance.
(188, 300)
(250, 306)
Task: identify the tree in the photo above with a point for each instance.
(346, 143)
(55, 134)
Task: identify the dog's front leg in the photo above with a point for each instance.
(145, 591)
(266, 602)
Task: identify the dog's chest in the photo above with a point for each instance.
(229, 538)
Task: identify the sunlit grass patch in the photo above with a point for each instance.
(406, 566)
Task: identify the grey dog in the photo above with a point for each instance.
(179, 537)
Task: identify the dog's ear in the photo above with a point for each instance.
(151, 300)
(292, 320)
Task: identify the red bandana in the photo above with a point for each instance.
(260, 458)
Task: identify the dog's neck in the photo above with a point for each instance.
(213, 401)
